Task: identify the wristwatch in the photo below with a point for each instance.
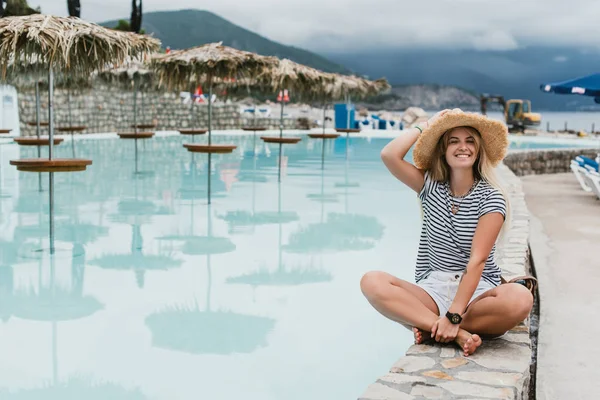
(454, 318)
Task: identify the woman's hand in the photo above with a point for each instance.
(444, 331)
(435, 117)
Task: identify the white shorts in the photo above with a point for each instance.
(442, 287)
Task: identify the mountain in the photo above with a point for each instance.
(428, 97)
(188, 28)
(513, 74)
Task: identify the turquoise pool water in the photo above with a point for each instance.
(153, 294)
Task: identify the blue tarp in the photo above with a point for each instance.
(585, 85)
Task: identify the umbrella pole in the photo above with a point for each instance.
(135, 90)
(324, 115)
(280, 144)
(193, 119)
(323, 140)
(254, 133)
(37, 127)
(50, 153)
(71, 121)
(209, 133)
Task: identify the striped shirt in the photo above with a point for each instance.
(446, 238)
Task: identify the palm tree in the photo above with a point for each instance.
(74, 7)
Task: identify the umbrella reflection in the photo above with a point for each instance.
(282, 276)
(189, 329)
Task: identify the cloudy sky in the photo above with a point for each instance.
(343, 24)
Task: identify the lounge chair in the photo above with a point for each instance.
(592, 179)
(580, 172)
(583, 161)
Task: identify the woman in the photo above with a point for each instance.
(458, 295)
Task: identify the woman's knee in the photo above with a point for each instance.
(373, 284)
(521, 301)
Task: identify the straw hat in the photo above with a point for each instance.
(494, 135)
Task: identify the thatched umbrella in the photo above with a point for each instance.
(297, 78)
(70, 45)
(204, 64)
(349, 87)
(139, 76)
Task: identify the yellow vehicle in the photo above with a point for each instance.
(517, 112)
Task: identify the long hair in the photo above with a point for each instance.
(482, 168)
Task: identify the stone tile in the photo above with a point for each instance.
(447, 352)
(498, 354)
(520, 328)
(429, 392)
(377, 391)
(412, 364)
(454, 362)
(438, 375)
(491, 378)
(417, 349)
(471, 389)
(400, 379)
(516, 337)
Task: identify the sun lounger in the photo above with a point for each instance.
(583, 161)
(592, 178)
(580, 172)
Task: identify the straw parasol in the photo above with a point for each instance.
(205, 64)
(70, 45)
(297, 78)
(139, 76)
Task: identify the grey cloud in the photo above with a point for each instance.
(343, 24)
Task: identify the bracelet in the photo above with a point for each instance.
(419, 128)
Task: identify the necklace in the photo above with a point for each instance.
(455, 207)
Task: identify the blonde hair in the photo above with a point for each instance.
(482, 168)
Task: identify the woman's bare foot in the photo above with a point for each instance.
(467, 342)
(421, 336)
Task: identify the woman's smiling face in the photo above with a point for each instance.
(462, 148)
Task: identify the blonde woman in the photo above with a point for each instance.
(458, 294)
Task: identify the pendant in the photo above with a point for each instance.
(454, 209)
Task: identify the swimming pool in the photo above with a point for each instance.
(153, 294)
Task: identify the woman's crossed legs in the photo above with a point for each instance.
(492, 313)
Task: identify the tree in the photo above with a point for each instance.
(136, 16)
(74, 7)
(14, 8)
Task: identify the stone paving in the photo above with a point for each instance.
(500, 369)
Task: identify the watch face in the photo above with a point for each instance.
(455, 319)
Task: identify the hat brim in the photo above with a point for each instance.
(494, 135)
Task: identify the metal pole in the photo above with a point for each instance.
(280, 136)
(135, 90)
(281, 118)
(254, 133)
(37, 112)
(324, 115)
(50, 112)
(192, 117)
(71, 121)
(38, 128)
(50, 154)
(323, 154)
(209, 133)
